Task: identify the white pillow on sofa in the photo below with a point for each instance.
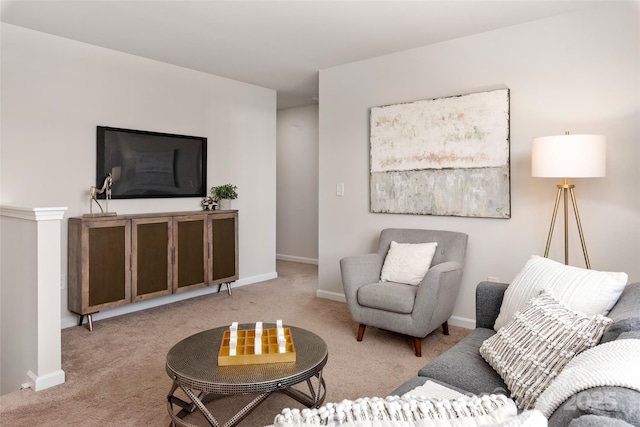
(407, 262)
(587, 291)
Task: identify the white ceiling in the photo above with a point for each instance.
(275, 44)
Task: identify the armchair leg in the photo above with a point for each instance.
(361, 329)
(417, 344)
(445, 328)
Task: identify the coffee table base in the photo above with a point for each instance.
(313, 399)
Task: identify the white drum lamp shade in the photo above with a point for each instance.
(569, 156)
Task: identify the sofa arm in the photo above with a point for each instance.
(489, 297)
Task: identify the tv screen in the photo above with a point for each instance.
(151, 164)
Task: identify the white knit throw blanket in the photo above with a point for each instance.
(615, 363)
(409, 411)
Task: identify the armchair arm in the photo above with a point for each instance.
(359, 270)
(489, 297)
(437, 294)
(433, 276)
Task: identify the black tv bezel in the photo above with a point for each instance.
(100, 162)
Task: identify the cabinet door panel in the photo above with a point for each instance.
(106, 265)
(190, 268)
(151, 248)
(224, 248)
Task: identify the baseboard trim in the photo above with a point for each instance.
(292, 258)
(42, 382)
(68, 322)
(462, 322)
(333, 296)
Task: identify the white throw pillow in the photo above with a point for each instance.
(587, 291)
(407, 262)
(533, 348)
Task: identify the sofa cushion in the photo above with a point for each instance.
(587, 291)
(464, 368)
(407, 262)
(388, 296)
(532, 349)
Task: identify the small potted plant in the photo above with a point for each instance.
(223, 194)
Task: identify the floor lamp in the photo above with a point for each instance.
(568, 156)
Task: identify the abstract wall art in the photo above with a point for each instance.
(445, 156)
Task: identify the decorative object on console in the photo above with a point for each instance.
(445, 156)
(568, 156)
(93, 193)
(223, 194)
(209, 204)
(533, 348)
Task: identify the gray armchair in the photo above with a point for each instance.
(415, 311)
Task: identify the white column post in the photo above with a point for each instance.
(45, 369)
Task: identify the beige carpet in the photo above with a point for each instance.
(115, 375)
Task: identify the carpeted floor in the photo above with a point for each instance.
(115, 375)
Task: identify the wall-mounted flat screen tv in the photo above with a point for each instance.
(150, 164)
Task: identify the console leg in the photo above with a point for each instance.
(89, 321)
(228, 287)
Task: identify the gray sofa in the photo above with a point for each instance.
(462, 368)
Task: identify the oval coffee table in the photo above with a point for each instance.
(192, 364)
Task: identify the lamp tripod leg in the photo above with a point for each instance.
(584, 245)
(566, 227)
(553, 223)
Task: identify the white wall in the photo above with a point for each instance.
(297, 183)
(578, 72)
(56, 91)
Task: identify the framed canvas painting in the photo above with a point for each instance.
(444, 156)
